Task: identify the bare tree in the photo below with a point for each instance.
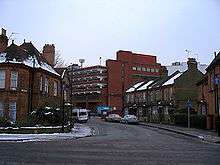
(59, 62)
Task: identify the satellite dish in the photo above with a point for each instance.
(81, 61)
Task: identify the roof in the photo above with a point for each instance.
(203, 80)
(214, 61)
(143, 87)
(133, 88)
(171, 80)
(26, 54)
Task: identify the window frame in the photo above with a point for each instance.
(2, 79)
(1, 108)
(14, 80)
(13, 111)
(55, 88)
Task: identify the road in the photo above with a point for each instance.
(115, 143)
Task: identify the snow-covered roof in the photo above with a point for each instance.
(172, 79)
(143, 87)
(132, 89)
(17, 55)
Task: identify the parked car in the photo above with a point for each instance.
(130, 119)
(113, 118)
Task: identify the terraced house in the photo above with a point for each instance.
(165, 94)
(27, 79)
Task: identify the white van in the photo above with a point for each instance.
(80, 115)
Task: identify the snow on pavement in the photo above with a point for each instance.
(78, 131)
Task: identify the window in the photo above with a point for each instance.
(1, 109)
(55, 87)
(46, 85)
(139, 68)
(14, 80)
(128, 98)
(12, 111)
(148, 69)
(152, 70)
(157, 70)
(41, 83)
(144, 96)
(134, 68)
(65, 95)
(143, 69)
(2, 79)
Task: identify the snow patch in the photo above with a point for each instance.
(78, 131)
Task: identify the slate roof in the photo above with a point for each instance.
(26, 54)
(214, 61)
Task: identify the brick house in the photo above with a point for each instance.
(165, 93)
(27, 79)
(209, 93)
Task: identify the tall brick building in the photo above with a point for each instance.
(27, 79)
(128, 69)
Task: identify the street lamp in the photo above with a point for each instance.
(62, 96)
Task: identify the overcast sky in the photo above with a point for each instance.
(92, 28)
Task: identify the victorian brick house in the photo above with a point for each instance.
(27, 79)
(209, 93)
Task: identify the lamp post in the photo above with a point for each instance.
(31, 85)
(70, 77)
(62, 96)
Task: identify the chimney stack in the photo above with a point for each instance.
(49, 54)
(3, 41)
(163, 71)
(192, 64)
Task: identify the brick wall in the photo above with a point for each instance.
(21, 94)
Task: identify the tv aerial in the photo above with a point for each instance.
(81, 61)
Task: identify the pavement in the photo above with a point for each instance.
(79, 131)
(205, 135)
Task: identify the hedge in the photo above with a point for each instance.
(196, 121)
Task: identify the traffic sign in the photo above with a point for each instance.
(189, 104)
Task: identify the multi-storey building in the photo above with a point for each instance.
(27, 79)
(128, 69)
(89, 87)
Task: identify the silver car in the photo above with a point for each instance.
(113, 118)
(130, 119)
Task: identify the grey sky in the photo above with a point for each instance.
(93, 28)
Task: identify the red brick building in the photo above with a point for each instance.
(128, 69)
(209, 99)
(27, 79)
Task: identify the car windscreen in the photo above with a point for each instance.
(82, 113)
(74, 114)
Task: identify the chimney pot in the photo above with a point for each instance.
(3, 32)
(192, 64)
(3, 41)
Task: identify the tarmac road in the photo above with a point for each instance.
(114, 143)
